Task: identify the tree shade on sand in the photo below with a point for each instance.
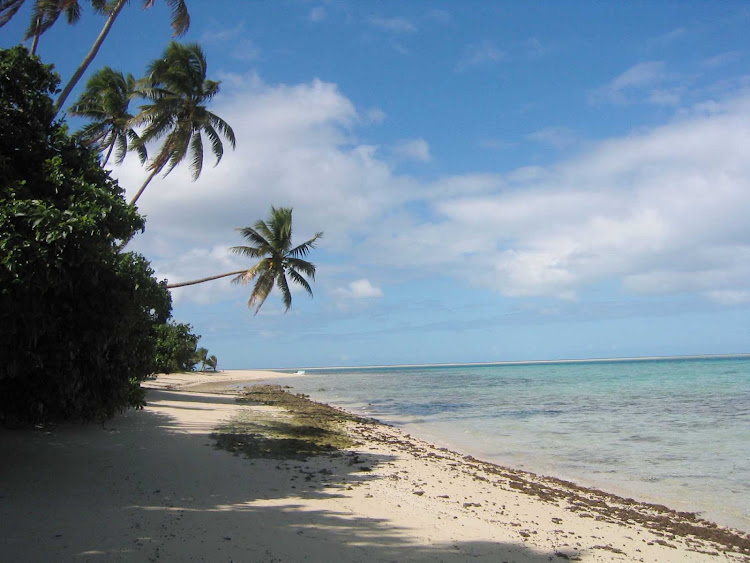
(271, 241)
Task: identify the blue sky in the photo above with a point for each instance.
(496, 180)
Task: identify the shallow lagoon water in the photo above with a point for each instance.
(671, 431)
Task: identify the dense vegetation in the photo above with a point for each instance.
(83, 321)
(176, 348)
(79, 319)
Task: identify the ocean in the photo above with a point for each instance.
(671, 431)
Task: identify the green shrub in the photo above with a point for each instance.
(175, 348)
(78, 319)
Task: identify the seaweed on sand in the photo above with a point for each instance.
(303, 428)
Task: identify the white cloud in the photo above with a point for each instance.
(484, 53)
(413, 149)
(638, 77)
(359, 289)
(393, 25)
(654, 211)
(662, 211)
(730, 297)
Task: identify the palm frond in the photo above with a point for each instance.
(299, 280)
(307, 268)
(216, 146)
(139, 148)
(255, 237)
(263, 230)
(223, 127)
(8, 9)
(303, 249)
(248, 275)
(283, 286)
(247, 251)
(196, 151)
(262, 288)
(122, 147)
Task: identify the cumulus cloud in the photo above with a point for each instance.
(663, 211)
(359, 289)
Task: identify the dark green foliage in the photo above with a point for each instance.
(78, 319)
(175, 348)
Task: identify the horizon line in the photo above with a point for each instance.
(521, 362)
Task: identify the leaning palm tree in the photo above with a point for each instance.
(8, 9)
(178, 90)
(45, 14)
(271, 242)
(180, 24)
(106, 103)
(212, 362)
(201, 355)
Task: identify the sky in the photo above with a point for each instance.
(496, 181)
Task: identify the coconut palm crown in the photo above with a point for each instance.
(106, 103)
(272, 242)
(178, 91)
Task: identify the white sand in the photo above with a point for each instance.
(149, 485)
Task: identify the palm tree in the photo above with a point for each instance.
(8, 9)
(272, 242)
(105, 102)
(212, 362)
(45, 14)
(180, 24)
(201, 355)
(179, 91)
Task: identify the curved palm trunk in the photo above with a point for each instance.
(35, 42)
(193, 282)
(109, 153)
(143, 187)
(90, 55)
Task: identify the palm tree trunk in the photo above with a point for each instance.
(35, 42)
(135, 198)
(173, 285)
(143, 187)
(109, 153)
(90, 55)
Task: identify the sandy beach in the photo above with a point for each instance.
(153, 485)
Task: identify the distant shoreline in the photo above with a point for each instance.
(517, 362)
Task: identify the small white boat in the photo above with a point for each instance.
(299, 372)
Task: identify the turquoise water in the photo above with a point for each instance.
(673, 431)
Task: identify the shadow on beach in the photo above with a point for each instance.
(145, 487)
